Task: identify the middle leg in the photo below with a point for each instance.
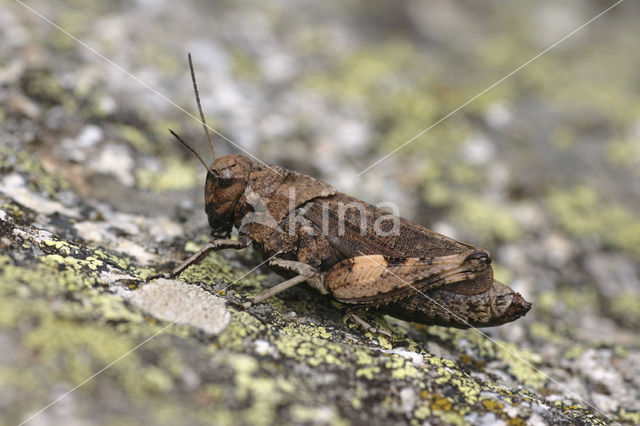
(304, 272)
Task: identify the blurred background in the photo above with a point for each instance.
(542, 170)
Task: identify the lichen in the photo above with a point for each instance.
(583, 212)
(487, 220)
(136, 137)
(626, 308)
(296, 358)
(39, 179)
(172, 175)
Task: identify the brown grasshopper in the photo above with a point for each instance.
(361, 255)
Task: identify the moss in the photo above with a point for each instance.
(516, 421)
(120, 262)
(519, 363)
(74, 340)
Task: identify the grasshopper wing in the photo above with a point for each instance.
(377, 279)
(354, 227)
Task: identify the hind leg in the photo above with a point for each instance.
(368, 328)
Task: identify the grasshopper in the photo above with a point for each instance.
(361, 255)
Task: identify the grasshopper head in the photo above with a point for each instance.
(227, 178)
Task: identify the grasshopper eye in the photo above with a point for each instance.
(226, 178)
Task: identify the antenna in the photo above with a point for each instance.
(189, 148)
(204, 124)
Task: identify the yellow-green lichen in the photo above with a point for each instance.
(401, 368)
(52, 275)
(369, 74)
(583, 212)
(369, 373)
(307, 348)
(74, 352)
(262, 392)
(244, 66)
(302, 414)
(568, 299)
(152, 55)
(626, 308)
(39, 179)
(451, 418)
(574, 352)
(521, 364)
(136, 138)
(42, 85)
(543, 331)
(467, 388)
(487, 220)
(215, 267)
(440, 403)
(242, 326)
(623, 152)
(422, 412)
(493, 406)
(172, 175)
(629, 416)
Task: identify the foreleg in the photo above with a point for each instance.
(216, 244)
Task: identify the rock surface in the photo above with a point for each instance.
(94, 198)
